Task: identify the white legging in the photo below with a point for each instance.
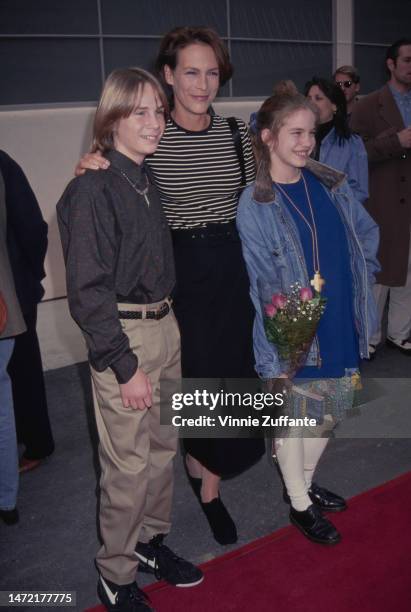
(298, 456)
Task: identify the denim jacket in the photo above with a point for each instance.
(348, 156)
(272, 251)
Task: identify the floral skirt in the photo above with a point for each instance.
(313, 407)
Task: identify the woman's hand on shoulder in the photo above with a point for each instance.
(91, 161)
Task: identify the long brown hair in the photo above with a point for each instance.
(284, 101)
(119, 98)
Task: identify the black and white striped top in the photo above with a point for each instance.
(198, 173)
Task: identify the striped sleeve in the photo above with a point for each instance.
(247, 151)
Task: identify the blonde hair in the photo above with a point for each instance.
(121, 93)
(350, 71)
(285, 101)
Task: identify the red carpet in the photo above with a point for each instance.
(369, 571)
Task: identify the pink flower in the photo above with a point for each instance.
(279, 300)
(270, 311)
(306, 294)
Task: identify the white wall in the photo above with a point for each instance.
(47, 144)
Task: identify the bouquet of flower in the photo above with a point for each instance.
(291, 321)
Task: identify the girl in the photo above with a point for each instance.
(293, 221)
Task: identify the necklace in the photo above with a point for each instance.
(317, 281)
(142, 192)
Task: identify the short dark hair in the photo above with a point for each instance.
(394, 50)
(181, 37)
(336, 96)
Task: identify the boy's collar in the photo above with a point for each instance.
(120, 161)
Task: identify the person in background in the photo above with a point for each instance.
(336, 145)
(199, 173)
(292, 222)
(27, 245)
(120, 273)
(383, 120)
(12, 327)
(348, 78)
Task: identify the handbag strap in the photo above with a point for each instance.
(235, 132)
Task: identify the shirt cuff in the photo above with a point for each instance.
(265, 373)
(125, 367)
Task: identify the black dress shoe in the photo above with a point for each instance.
(10, 517)
(326, 500)
(314, 525)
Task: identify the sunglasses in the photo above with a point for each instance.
(345, 84)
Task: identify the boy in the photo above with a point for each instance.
(120, 272)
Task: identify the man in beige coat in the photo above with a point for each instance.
(14, 326)
(383, 119)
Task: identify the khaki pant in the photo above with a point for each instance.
(136, 452)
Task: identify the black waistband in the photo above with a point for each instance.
(213, 233)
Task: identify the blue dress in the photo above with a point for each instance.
(336, 333)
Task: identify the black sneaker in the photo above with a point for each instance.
(122, 598)
(156, 558)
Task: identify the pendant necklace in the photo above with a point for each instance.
(142, 192)
(317, 281)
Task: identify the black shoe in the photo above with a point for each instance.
(326, 500)
(220, 521)
(122, 598)
(404, 346)
(156, 558)
(218, 517)
(314, 525)
(10, 517)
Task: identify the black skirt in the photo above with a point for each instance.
(215, 314)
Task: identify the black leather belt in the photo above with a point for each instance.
(213, 233)
(158, 314)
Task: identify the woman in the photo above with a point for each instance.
(336, 145)
(292, 221)
(198, 172)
